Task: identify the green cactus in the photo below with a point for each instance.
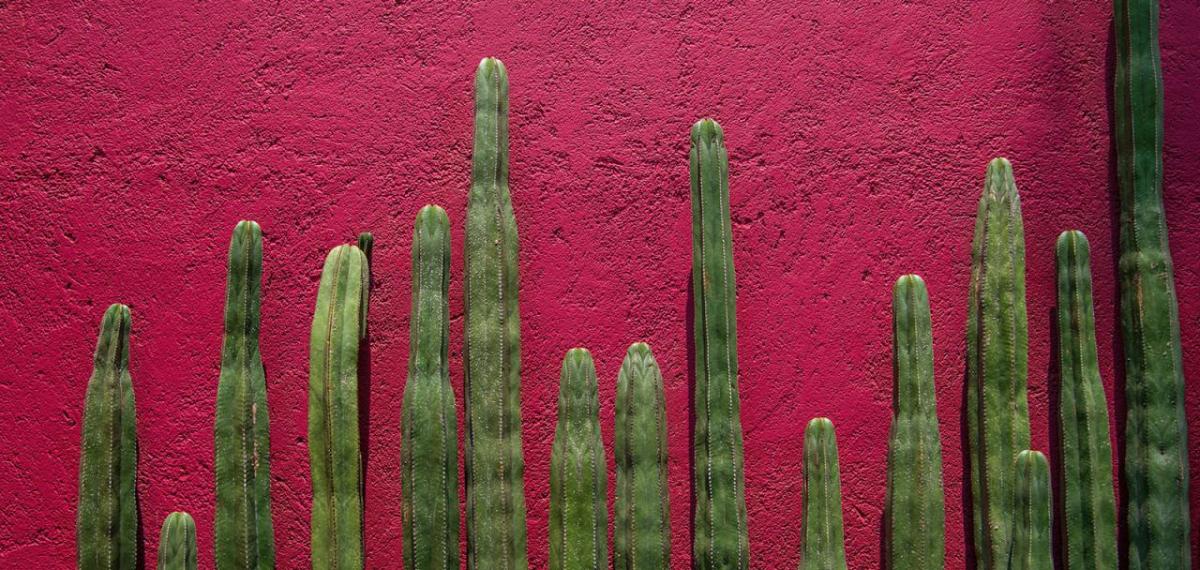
(1156, 463)
(1089, 523)
(721, 535)
(333, 433)
(243, 530)
(822, 538)
(915, 517)
(495, 468)
(997, 363)
(1031, 548)
(177, 543)
(642, 537)
(107, 524)
(429, 451)
(578, 471)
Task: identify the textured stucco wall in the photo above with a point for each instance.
(134, 135)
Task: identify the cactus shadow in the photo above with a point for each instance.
(1057, 474)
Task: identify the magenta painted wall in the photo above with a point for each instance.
(133, 138)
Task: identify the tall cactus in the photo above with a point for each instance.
(915, 516)
(822, 538)
(1089, 520)
(495, 467)
(578, 471)
(642, 534)
(997, 363)
(333, 436)
(177, 543)
(106, 526)
(429, 451)
(1156, 463)
(721, 535)
(1031, 548)
(243, 531)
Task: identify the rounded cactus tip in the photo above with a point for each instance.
(638, 347)
(247, 225)
(432, 213)
(490, 65)
(821, 424)
(1031, 457)
(1072, 237)
(578, 354)
(909, 280)
(999, 163)
(707, 130)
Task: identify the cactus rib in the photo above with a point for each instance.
(578, 472)
(822, 537)
(177, 543)
(1031, 548)
(642, 534)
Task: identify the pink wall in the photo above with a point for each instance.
(133, 138)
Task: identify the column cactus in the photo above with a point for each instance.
(1156, 462)
(720, 530)
(915, 516)
(997, 363)
(822, 538)
(243, 532)
(333, 435)
(107, 524)
(642, 514)
(1090, 520)
(177, 543)
(429, 427)
(1031, 548)
(495, 469)
(578, 471)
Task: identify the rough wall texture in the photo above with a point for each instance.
(134, 135)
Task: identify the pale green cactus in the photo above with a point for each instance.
(578, 471)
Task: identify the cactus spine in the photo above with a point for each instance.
(578, 473)
(1156, 464)
(1090, 511)
(333, 436)
(997, 363)
(177, 543)
(429, 451)
(106, 526)
(915, 514)
(1031, 548)
(495, 468)
(822, 538)
(243, 530)
(721, 535)
(642, 537)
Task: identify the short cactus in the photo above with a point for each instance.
(429, 427)
(578, 472)
(721, 538)
(1031, 548)
(915, 517)
(822, 538)
(177, 543)
(107, 523)
(1090, 520)
(642, 515)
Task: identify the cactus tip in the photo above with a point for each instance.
(707, 131)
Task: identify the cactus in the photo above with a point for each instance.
(997, 363)
(578, 472)
(915, 517)
(429, 451)
(822, 539)
(1089, 520)
(177, 543)
(1156, 463)
(1031, 513)
(243, 531)
(642, 537)
(107, 524)
(333, 435)
(721, 535)
(495, 468)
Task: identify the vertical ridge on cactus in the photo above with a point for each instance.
(822, 537)
(1089, 521)
(997, 363)
(1031, 547)
(642, 514)
(333, 435)
(915, 516)
(366, 242)
(243, 531)
(1156, 463)
(429, 427)
(177, 543)
(721, 538)
(106, 525)
(578, 471)
(495, 470)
